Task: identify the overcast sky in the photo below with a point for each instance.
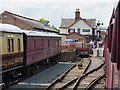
(54, 10)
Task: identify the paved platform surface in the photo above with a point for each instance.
(98, 52)
(44, 78)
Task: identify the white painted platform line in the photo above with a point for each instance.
(44, 78)
(66, 63)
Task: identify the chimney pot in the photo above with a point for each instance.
(77, 14)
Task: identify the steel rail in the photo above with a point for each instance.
(87, 66)
(85, 74)
(73, 80)
(94, 82)
(60, 77)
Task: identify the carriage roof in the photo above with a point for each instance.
(15, 29)
(9, 28)
(36, 33)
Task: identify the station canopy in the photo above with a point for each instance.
(68, 40)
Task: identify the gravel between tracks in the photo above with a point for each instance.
(44, 78)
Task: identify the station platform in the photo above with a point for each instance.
(44, 78)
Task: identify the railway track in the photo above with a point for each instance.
(69, 76)
(76, 78)
(89, 79)
(94, 82)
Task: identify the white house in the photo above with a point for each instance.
(79, 25)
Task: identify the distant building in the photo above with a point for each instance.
(103, 29)
(24, 22)
(77, 37)
(85, 27)
(103, 32)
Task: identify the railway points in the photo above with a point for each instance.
(72, 81)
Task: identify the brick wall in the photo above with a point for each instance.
(8, 19)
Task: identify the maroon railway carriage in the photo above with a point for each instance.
(112, 51)
(41, 49)
(40, 46)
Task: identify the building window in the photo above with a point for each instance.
(4, 17)
(18, 44)
(86, 30)
(71, 30)
(10, 45)
(78, 30)
(80, 39)
(76, 40)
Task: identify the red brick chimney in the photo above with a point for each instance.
(77, 14)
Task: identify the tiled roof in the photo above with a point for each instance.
(91, 22)
(68, 22)
(32, 22)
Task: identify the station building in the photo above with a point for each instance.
(83, 27)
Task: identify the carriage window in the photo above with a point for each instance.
(18, 44)
(57, 42)
(42, 44)
(9, 45)
(33, 44)
(48, 43)
(12, 47)
(1, 34)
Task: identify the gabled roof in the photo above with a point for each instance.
(66, 22)
(91, 22)
(33, 23)
(69, 22)
(77, 34)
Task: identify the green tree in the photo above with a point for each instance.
(42, 20)
(54, 27)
